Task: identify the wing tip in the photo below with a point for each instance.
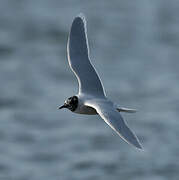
(80, 20)
(136, 143)
(138, 146)
(81, 16)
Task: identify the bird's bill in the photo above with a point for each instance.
(64, 106)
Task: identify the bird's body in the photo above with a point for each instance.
(84, 109)
(91, 98)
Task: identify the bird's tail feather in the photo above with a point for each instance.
(127, 110)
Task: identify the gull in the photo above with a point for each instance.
(91, 98)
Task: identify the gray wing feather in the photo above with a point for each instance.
(113, 118)
(78, 58)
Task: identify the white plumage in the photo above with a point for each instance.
(91, 98)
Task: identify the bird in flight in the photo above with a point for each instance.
(91, 98)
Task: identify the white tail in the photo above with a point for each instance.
(127, 110)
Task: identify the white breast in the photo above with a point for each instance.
(85, 110)
(82, 109)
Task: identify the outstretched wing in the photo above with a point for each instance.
(113, 118)
(78, 58)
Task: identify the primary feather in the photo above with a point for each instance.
(113, 118)
(78, 58)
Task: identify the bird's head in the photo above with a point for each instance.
(71, 103)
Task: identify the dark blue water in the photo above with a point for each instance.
(134, 46)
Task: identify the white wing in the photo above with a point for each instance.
(78, 58)
(112, 117)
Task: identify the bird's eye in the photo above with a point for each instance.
(69, 100)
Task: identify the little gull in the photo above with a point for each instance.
(91, 98)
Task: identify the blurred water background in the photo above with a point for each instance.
(135, 48)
